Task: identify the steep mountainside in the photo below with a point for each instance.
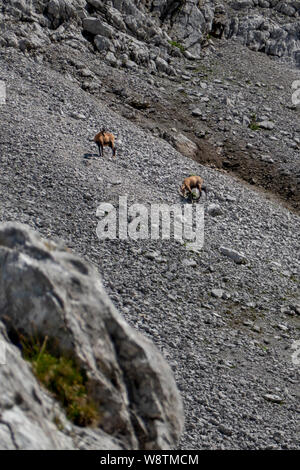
(187, 88)
(143, 28)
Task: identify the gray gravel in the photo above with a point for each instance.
(232, 353)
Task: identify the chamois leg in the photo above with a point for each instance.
(188, 187)
(182, 190)
(100, 148)
(113, 149)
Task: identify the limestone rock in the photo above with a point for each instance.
(185, 145)
(269, 125)
(214, 210)
(102, 43)
(46, 290)
(96, 26)
(237, 257)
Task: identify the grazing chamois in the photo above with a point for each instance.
(104, 138)
(192, 182)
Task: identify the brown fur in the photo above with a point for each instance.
(102, 139)
(190, 183)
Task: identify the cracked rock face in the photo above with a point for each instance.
(151, 30)
(49, 291)
(26, 414)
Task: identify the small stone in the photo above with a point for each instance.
(230, 198)
(129, 64)
(226, 296)
(296, 308)
(269, 125)
(111, 59)
(273, 398)
(267, 158)
(189, 263)
(102, 43)
(86, 73)
(214, 210)
(217, 293)
(77, 116)
(162, 65)
(225, 430)
(237, 257)
(189, 56)
(196, 112)
(285, 310)
(282, 327)
(256, 328)
(152, 255)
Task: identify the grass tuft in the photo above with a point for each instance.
(64, 379)
(254, 126)
(177, 44)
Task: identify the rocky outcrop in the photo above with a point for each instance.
(270, 27)
(149, 32)
(184, 145)
(27, 414)
(48, 291)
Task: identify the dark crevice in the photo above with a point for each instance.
(171, 9)
(90, 9)
(11, 433)
(89, 37)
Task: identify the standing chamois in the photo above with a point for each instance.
(104, 138)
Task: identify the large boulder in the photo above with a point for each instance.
(48, 291)
(96, 26)
(184, 145)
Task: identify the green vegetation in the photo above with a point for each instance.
(254, 126)
(177, 44)
(58, 423)
(63, 378)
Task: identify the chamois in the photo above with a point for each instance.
(104, 138)
(192, 182)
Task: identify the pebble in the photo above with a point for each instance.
(217, 293)
(266, 125)
(214, 210)
(273, 398)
